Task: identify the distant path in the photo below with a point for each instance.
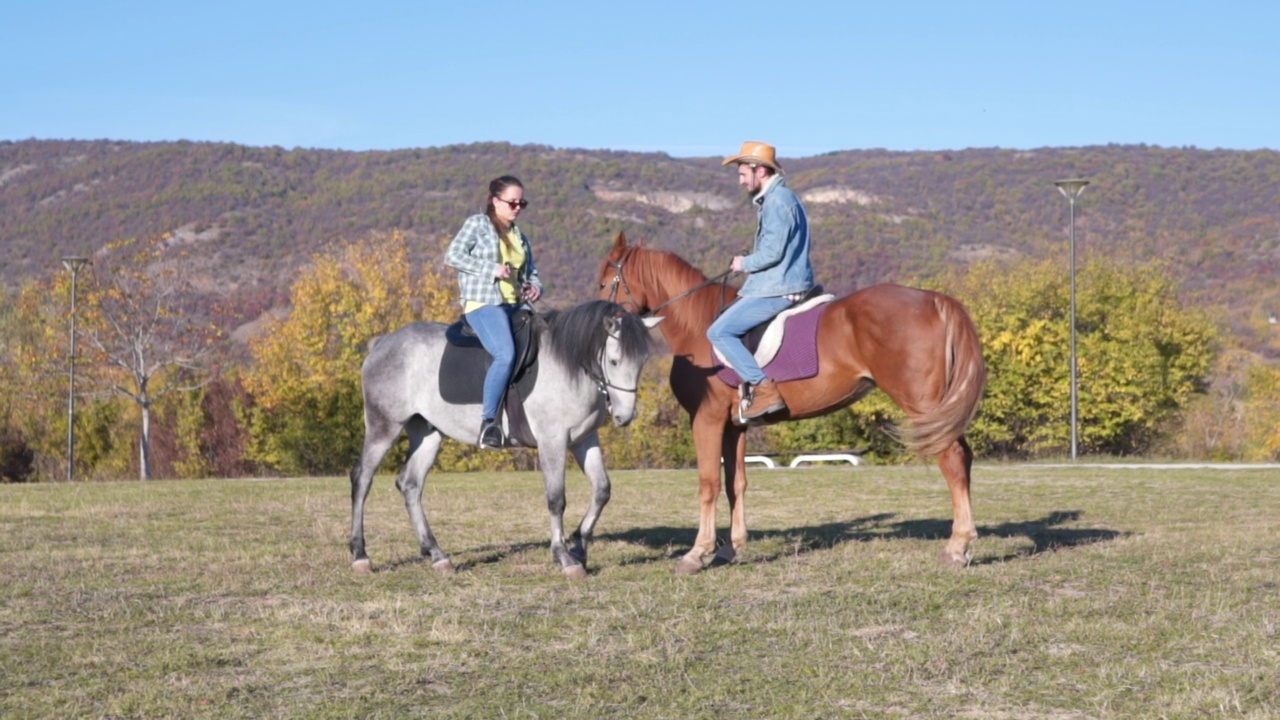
(1169, 466)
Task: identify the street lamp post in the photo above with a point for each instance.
(73, 264)
(1072, 189)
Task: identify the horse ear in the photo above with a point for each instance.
(621, 242)
(652, 322)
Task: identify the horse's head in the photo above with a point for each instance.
(626, 348)
(647, 281)
(607, 344)
(613, 280)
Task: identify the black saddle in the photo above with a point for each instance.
(465, 363)
(752, 339)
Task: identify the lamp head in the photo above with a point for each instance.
(73, 262)
(1071, 188)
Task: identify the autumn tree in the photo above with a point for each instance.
(143, 336)
(1262, 408)
(17, 457)
(33, 372)
(1142, 356)
(305, 377)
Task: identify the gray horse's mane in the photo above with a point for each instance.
(578, 333)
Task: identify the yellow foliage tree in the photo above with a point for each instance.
(33, 366)
(1262, 410)
(1142, 358)
(305, 377)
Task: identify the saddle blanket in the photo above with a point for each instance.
(795, 359)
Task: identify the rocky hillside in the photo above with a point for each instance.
(255, 215)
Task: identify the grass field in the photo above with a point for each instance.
(1094, 593)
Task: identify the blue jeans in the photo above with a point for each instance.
(492, 324)
(727, 331)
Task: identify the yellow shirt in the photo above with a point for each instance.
(512, 252)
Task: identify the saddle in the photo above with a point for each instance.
(786, 347)
(465, 363)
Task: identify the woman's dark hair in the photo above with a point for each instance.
(496, 186)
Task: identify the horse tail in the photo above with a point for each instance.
(966, 375)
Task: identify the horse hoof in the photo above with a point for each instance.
(575, 572)
(362, 567)
(444, 567)
(725, 555)
(949, 560)
(578, 553)
(688, 567)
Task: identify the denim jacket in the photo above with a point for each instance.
(779, 262)
(475, 253)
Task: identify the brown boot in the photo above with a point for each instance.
(765, 399)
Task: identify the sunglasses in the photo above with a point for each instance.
(514, 204)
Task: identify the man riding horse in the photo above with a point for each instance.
(779, 268)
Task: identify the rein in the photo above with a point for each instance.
(618, 279)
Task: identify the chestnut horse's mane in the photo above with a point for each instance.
(660, 268)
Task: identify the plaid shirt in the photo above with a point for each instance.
(476, 254)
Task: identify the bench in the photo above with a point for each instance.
(832, 457)
(766, 460)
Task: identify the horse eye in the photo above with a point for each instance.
(614, 363)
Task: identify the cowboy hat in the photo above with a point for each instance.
(755, 153)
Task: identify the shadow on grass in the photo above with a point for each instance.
(1045, 533)
(475, 557)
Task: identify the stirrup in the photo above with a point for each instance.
(491, 435)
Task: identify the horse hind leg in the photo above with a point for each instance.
(380, 434)
(956, 463)
(424, 446)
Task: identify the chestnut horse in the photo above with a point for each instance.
(920, 347)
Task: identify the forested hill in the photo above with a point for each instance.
(254, 215)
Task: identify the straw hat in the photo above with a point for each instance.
(755, 153)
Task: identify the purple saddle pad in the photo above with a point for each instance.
(797, 359)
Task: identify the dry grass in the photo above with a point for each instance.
(1096, 593)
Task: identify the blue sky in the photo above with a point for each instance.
(686, 78)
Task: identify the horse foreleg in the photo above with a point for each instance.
(734, 450)
(956, 463)
(551, 457)
(424, 445)
(591, 460)
(707, 439)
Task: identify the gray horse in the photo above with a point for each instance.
(589, 366)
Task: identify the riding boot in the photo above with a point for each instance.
(490, 435)
(765, 399)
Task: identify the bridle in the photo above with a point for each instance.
(619, 281)
(602, 381)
